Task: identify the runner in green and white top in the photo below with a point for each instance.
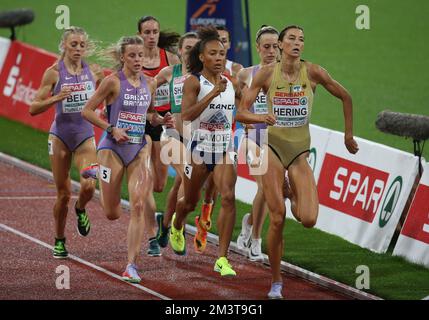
(174, 149)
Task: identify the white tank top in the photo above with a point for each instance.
(212, 130)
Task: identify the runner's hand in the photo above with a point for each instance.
(268, 119)
(64, 93)
(120, 134)
(351, 144)
(220, 86)
(169, 120)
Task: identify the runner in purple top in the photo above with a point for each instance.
(128, 111)
(68, 84)
(252, 144)
(69, 126)
(128, 94)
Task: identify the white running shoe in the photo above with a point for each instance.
(130, 274)
(244, 238)
(276, 291)
(255, 252)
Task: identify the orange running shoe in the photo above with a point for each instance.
(200, 238)
(206, 216)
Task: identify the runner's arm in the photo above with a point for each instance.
(191, 108)
(43, 101)
(164, 76)
(106, 89)
(243, 113)
(320, 75)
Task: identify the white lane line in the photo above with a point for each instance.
(33, 198)
(89, 264)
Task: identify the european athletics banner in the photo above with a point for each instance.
(413, 242)
(232, 14)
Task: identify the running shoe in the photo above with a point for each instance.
(206, 213)
(177, 239)
(200, 238)
(255, 252)
(154, 250)
(83, 224)
(60, 251)
(130, 274)
(276, 291)
(224, 268)
(91, 171)
(163, 232)
(244, 238)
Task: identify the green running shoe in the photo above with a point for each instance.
(83, 224)
(154, 250)
(60, 251)
(163, 232)
(224, 268)
(177, 239)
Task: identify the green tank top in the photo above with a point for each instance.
(176, 88)
(291, 104)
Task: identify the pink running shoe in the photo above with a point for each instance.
(91, 171)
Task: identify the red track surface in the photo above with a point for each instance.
(28, 271)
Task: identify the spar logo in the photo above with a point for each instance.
(357, 190)
(132, 117)
(76, 86)
(390, 201)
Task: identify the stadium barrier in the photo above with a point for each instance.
(361, 196)
(413, 241)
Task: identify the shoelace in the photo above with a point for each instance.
(82, 218)
(227, 264)
(276, 287)
(60, 246)
(177, 236)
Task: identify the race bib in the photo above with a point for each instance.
(136, 122)
(212, 141)
(187, 169)
(290, 112)
(105, 174)
(81, 93)
(178, 89)
(50, 147)
(260, 105)
(162, 95)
